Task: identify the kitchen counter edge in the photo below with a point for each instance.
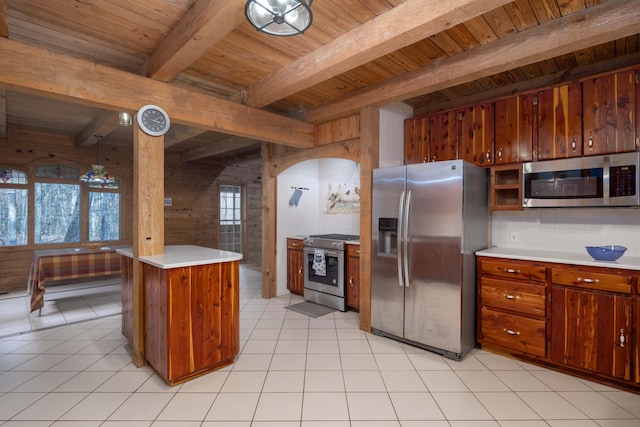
(176, 256)
(625, 262)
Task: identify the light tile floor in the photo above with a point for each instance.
(292, 371)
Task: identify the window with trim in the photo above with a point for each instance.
(231, 218)
(14, 207)
(60, 204)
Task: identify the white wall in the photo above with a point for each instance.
(568, 229)
(309, 217)
(392, 118)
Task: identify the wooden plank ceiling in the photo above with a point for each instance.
(431, 54)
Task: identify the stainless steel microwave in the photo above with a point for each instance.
(609, 180)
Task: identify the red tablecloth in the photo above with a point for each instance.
(66, 264)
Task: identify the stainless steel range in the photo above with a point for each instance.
(324, 269)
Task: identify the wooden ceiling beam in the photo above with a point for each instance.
(206, 23)
(102, 125)
(216, 148)
(178, 133)
(30, 69)
(608, 21)
(405, 24)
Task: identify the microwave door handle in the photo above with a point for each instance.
(399, 238)
(405, 240)
(606, 179)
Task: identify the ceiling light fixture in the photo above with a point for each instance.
(125, 119)
(97, 174)
(279, 17)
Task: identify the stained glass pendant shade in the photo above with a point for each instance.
(97, 174)
(279, 17)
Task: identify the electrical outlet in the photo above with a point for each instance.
(514, 237)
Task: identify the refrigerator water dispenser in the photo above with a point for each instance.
(388, 236)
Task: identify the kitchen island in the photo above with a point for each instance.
(191, 309)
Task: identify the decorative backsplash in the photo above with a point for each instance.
(567, 229)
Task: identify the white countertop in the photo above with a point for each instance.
(626, 262)
(175, 256)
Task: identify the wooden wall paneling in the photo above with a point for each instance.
(338, 130)
(559, 122)
(369, 160)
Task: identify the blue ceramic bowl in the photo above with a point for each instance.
(606, 253)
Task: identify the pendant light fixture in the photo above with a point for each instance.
(97, 174)
(279, 17)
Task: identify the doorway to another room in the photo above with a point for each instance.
(231, 222)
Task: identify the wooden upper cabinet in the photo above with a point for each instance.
(514, 129)
(609, 113)
(475, 134)
(443, 141)
(416, 140)
(559, 122)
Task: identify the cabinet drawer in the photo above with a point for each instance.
(353, 250)
(514, 332)
(591, 279)
(524, 298)
(295, 244)
(513, 269)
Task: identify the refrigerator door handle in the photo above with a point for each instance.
(405, 240)
(399, 237)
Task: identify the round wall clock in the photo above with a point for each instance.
(153, 120)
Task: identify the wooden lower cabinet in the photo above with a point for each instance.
(577, 319)
(592, 331)
(352, 281)
(191, 317)
(295, 266)
(513, 305)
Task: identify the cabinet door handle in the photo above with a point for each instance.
(590, 143)
(510, 332)
(351, 280)
(488, 154)
(300, 270)
(511, 297)
(587, 280)
(573, 144)
(500, 153)
(433, 159)
(511, 270)
(622, 338)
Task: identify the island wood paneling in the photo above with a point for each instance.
(191, 319)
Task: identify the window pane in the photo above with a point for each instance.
(57, 213)
(104, 216)
(12, 176)
(57, 171)
(13, 216)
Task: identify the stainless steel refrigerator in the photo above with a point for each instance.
(428, 220)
